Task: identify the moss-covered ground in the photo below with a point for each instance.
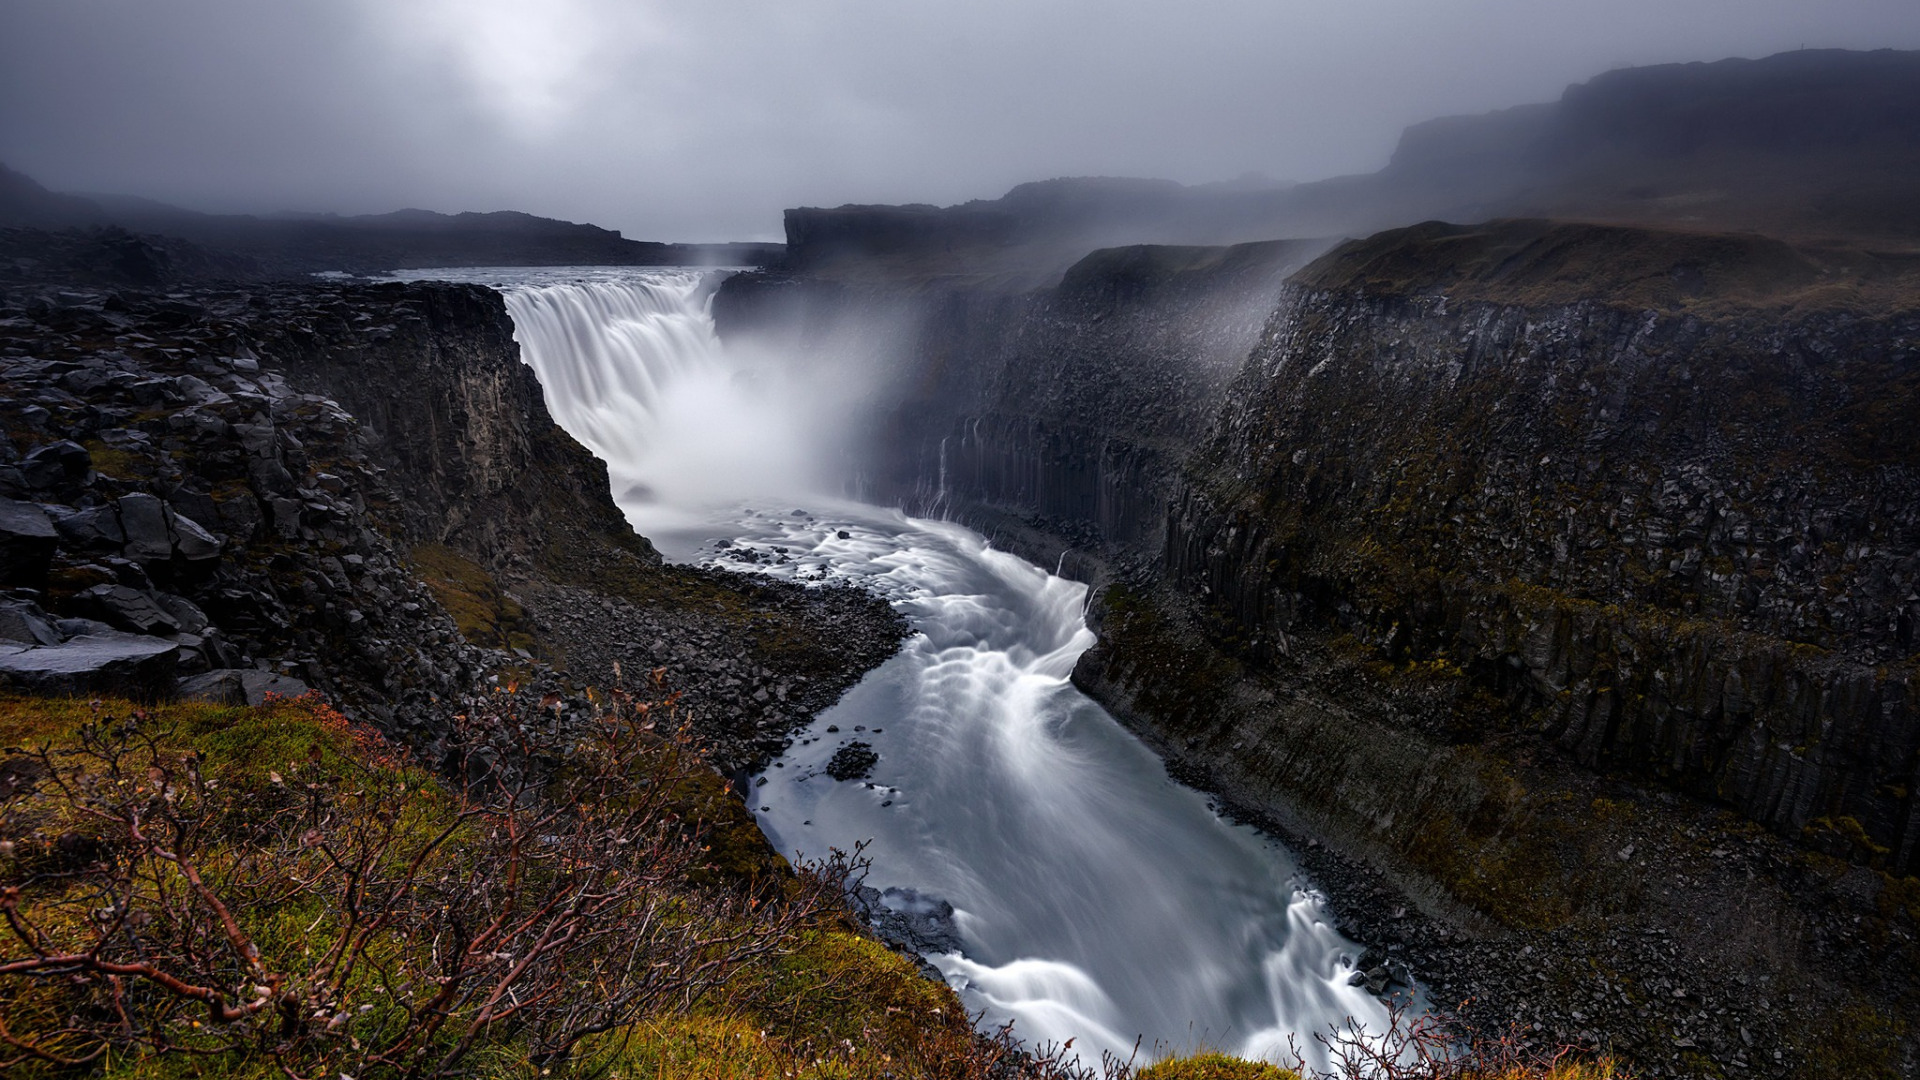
(824, 1001)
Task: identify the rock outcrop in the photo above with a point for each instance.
(355, 488)
(1677, 540)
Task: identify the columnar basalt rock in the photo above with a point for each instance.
(1463, 566)
(1674, 543)
(1069, 407)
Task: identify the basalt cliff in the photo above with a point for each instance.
(1556, 580)
(358, 488)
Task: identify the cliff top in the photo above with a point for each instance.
(1537, 263)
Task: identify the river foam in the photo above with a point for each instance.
(1096, 899)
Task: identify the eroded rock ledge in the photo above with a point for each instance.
(357, 488)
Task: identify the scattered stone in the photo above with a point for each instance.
(56, 465)
(23, 623)
(144, 518)
(127, 609)
(240, 686)
(95, 528)
(854, 761)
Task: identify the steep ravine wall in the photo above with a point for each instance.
(1674, 545)
(1650, 499)
(433, 374)
(1493, 547)
(1067, 408)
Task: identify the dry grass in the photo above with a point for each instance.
(1546, 263)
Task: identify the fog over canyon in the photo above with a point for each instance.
(936, 579)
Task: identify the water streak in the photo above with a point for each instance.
(1096, 899)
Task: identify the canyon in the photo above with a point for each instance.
(1548, 585)
(1525, 564)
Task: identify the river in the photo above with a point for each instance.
(1093, 897)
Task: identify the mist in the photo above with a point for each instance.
(702, 122)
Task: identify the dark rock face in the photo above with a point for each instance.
(139, 451)
(461, 424)
(139, 667)
(1680, 546)
(1070, 406)
(357, 489)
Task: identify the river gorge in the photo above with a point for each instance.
(1058, 877)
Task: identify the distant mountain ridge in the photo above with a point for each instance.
(1813, 145)
(290, 244)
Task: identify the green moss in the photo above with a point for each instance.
(1214, 1067)
(1858, 1042)
(115, 463)
(827, 1003)
(1846, 838)
(693, 1048)
(485, 614)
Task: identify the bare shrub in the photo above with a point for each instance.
(351, 915)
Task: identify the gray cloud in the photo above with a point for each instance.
(702, 120)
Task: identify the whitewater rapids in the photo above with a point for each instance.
(1095, 899)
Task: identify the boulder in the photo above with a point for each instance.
(192, 542)
(909, 919)
(27, 540)
(134, 666)
(23, 623)
(183, 611)
(240, 686)
(56, 465)
(73, 628)
(144, 518)
(127, 609)
(96, 528)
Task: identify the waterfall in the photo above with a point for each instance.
(632, 368)
(609, 352)
(1093, 897)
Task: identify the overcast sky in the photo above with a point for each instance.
(702, 119)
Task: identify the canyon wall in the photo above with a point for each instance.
(1678, 540)
(1067, 408)
(357, 488)
(1537, 570)
(1647, 500)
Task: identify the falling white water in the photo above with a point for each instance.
(1095, 898)
(632, 368)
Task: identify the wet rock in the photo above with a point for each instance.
(126, 609)
(95, 528)
(144, 518)
(854, 761)
(241, 686)
(135, 666)
(23, 623)
(190, 541)
(73, 628)
(909, 919)
(27, 541)
(183, 611)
